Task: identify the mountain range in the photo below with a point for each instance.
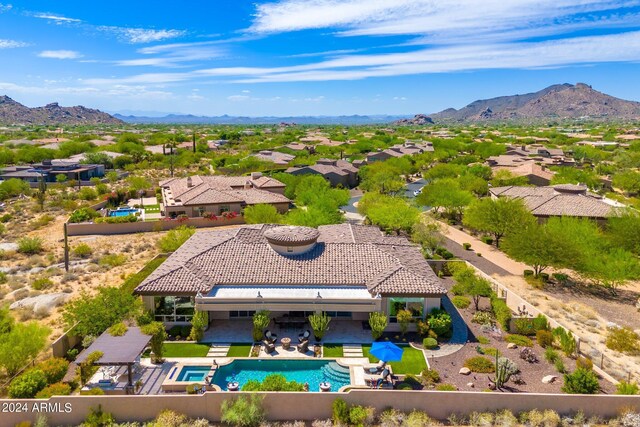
(266, 120)
(12, 112)
(558, 102)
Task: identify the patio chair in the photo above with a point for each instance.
(269, 346)
(374, 368)
(303, 347)
(304, 336)
(270, 336)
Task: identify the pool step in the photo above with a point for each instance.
(335, 373)
(352, 350)
(218, 350)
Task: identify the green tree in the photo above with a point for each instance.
(427, 233)
(581, 381)
(199, 323)
(21, 345)
(497, 216)
(175, 238)
(388, 212)
(471, 284)
(628, 181)
(612, 269)
(624, 231)
(381, 177)
(261, 320)
(61, 178)
(504, 178)
(445, 194)
(92, 315)
(158, 336)
(404, 317)
(378, 322)
(262, 214)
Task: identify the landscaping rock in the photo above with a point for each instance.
(465, 371)
(511, 346)
(41, 303)
(8, 246)
(17, 294)
(549, 379)
(470, 385)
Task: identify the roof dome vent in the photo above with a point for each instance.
(292, 240)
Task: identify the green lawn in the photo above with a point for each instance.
(239, 350)
(332, 350)
(185, 350)
(412, 360)
(152, 209)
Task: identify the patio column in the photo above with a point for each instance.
(129, 375)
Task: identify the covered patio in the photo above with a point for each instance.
(120, 358)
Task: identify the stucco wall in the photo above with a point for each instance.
(72, 410)
(88, 228)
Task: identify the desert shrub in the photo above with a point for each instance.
(446, 387)
(83, 215)
(623, 339)
(466, 246)
(98, 418)
(551, 355)
(96, 391)
(524, 326)
(483, 340)
(544, 277)
(483, 318)
(28, 384)
(54, 369)
(169, 418)
(378, 322)
(559, 365)
(486, 239)
(439, 322)
(113, 260)
(87, 193)
(244, 411)
(581, 381)
(340, 411)
(528, 273)
(458, 289)
(627, 388)
(41, 284)
(519, 340)
(82, 250)
(390, 418)
(460, 301)
(422, 328)
(175, 238)
(560, 277)
(193, 388)
(566, 340)
(430, 376)
(505, 418)
(536, 418)
(116, 219)
(480, 419)
(359, 415)
(55, 389)
(540, 323)
(429, 343)
(480, 364)
(544, 338)
(30, 245)
(445, 254)
(501, 311)
(490, 351)
(584, 363)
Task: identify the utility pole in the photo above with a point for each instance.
(194, 142)
(66, 248)
(172, 160)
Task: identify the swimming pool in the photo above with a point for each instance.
(123, 212)
(193, 373)
(312, 372)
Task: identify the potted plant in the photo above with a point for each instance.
(320, 324)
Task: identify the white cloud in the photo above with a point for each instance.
(444, 21)
(11, 44)
(55, 18)
(5, 7)
(246, 91)
(399, 98)
(60, 54)
(238, 98)
(315, 99)
(178, 54)
(142, 35)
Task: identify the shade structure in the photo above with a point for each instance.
(386, 351)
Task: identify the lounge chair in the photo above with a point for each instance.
(303, 347)
(304, 336)
(374, 368)
(270, 336)
(269, 347)
(378, 380)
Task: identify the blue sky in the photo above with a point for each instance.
(311, 57)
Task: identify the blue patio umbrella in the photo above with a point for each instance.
(386, 351)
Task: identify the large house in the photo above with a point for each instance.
(560, 200)
(337, 172)
(408, 148)
(536, 174)
(49, 170)
(345, 270)
(198, 196)
(274, 157)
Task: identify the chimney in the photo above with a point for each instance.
(189, 182)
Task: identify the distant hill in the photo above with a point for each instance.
(12, 112)
(565, 101)
(240, 120)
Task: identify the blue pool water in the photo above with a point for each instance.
(123, 212)
(312, 372)
(193, 373)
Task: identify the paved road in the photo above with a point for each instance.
(410, 188)
(481, 263)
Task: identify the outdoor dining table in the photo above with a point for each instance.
(286, 343)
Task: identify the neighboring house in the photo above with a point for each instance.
(274, 157)
(50, 169)
(337, 172)
(560, 200)
(600, 144)
(81, 157)
(345, 270)
(535, 150)
(197, 196)
(406, 149)
(536, 174)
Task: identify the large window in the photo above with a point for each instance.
(174, 309)
(414, 305)
(241, 314)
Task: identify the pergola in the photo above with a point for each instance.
(118, 350)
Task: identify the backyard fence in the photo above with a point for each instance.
(607, 367)
(289, 406)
